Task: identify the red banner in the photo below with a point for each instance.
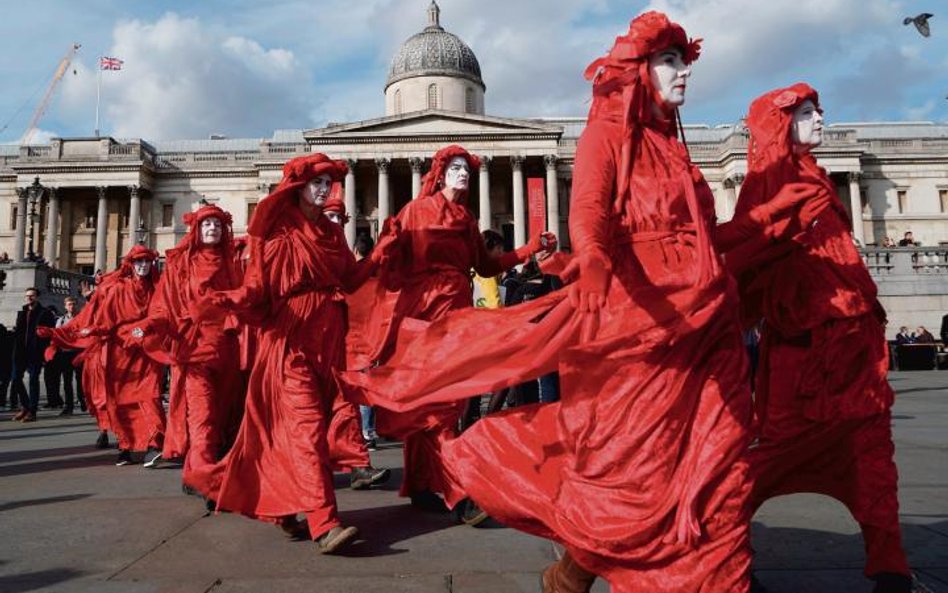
(536, 206)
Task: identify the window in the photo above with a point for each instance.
(432, 96)
(943, 200)
(469, 100)
(167, 215)
(92, 212)
(251, 206)
(398, 101)
(126, 214)
(13, 212)
(902, 197)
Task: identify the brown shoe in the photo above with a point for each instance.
(29, 417)
(19, 415)
(335, 538)
(566, 576)
(294, 528)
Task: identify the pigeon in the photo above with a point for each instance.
(920, 22)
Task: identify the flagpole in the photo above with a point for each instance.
(98, 93)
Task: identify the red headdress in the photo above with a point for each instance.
(336, 203)
(431, 183)
(125, 270)
(771, 162)
(193, 219)
(296, 174)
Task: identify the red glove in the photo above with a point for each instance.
(44, 332)
(588, 292)
(789, 196)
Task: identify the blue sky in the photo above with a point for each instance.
(244, 68)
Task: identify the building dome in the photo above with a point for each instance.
(434, 69)
(434, 52)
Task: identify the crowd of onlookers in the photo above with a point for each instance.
(23, 356)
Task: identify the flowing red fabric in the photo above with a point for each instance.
(640, 470)
(122, 382)
(280, 462)
(822, 397)
(206, 394)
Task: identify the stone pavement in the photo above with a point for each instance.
(71, 521)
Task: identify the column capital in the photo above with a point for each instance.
(101, 191)
(854, 176)
(737, 179)
(485, 161)
(22, 194)
(550, 161)
(133, 191)
(352, 165)
(516, 161)
(416, 164)
(382, 163)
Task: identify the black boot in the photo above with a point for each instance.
(103, 441)
(891, 582)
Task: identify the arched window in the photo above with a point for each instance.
(398, 101)
(469, 100)
(432, 96)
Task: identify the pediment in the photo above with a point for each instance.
(429, 123)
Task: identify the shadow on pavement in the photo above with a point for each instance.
(12, 456)
(94, 458)
(381, 528)
(32, 581)
(18, 504)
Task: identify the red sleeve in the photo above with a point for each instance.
(594, 183)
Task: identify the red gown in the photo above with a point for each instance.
(439, 245)
(206, 388)
(640, 470)
(122, 382)
(822, 395)
(280, 462)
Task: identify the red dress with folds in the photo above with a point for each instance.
(122, 382)
(640, 470)
(280, 462)
(822, 396)
(206, 389)
(439, 246)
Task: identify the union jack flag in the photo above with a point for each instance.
(107, 63)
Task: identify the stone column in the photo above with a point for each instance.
(385, 205)
(519, 210)
(552, 195)
(52, 227)
(101, 228)
(484, 193)
(134, 214)
(19, 246)
(416, 165)
(350, 191)
(855, 204)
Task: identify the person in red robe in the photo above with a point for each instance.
(822, 397)
(299, 268)
(640, 470)
(439, 245)
(122, 382)
(205, 393)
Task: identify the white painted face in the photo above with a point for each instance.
(142, 267)
(669, 74)
(334, 217)
(211, 230)
(458, 174)
(317, 190)
(806, 131)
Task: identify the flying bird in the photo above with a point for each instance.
(920, 22)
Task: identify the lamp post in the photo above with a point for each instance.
(36, 194)
(141, 233)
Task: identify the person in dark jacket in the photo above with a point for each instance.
(6, 366)
(28, 350)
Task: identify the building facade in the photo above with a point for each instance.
(92, 198)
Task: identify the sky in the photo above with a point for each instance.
(243, 68)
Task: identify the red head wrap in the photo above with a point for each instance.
(431, 183)
(771, 162)
(336, 203)
(296, 174)
(138, 252)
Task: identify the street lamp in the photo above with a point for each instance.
(141, 233)
(35, 194)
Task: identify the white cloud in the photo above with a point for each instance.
(183, 79)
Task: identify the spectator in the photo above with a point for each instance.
(923, 336)
(907, 240)
(6, 367)
(487, 290)
(51, 376)
(4, 258)
(61, 367)
(887, 242)
(28, 352)
(361, 248)
(904, 337)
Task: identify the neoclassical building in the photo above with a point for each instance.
(94, 197)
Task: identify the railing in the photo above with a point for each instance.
(906, 261)
(63, 283)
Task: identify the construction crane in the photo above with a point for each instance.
(48, 95)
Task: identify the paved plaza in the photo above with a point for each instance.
(71, 521)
